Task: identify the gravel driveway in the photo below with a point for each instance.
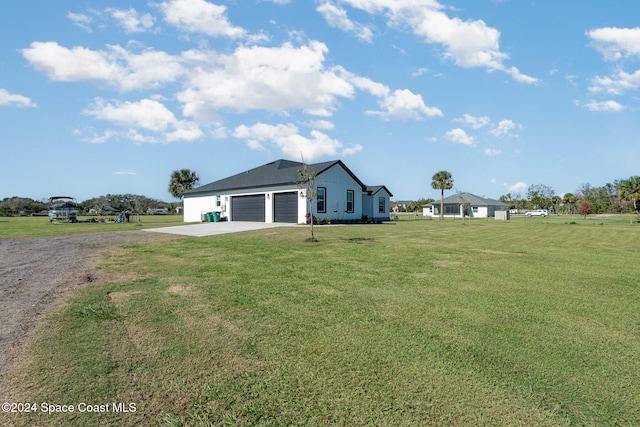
(34, 272)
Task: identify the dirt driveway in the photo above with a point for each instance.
(35, 272)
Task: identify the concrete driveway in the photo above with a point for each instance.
(213, 228)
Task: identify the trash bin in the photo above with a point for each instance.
(209, 217)
(216, 217)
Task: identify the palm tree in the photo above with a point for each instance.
(630, 190)
(444, 181)
(182, 180)
(569, 199)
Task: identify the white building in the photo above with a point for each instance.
(466, 204)
(271, 193)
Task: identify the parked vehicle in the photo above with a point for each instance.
(538, 212)
(63, 209)
(162, 211)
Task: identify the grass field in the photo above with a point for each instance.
(417, 323)
(35, 226)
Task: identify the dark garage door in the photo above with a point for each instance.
(247, 208)
(285, 207)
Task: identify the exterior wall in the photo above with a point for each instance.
(370, 206)
(196, 205)
(337, 181)
(433, 211)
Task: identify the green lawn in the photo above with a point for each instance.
(417, 323)
(36, 226)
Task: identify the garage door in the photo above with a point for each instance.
(247, 208)
(285, 207)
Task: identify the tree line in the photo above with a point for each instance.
(621, 196)
(180, 181)
(120, 202)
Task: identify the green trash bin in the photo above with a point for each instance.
(209, 217)
(216, 217)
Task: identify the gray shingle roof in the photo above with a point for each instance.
(471, 199)
(280, 172)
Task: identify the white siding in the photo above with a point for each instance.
(337, 181)
(195, 206)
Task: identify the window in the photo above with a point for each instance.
(350, 201)
(218, 200)
(451, 210)
(321, 199)
(474, 209)
(381, 205)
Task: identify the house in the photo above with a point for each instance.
(271, 193)
(468, 204)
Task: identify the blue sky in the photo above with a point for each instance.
(112, 96)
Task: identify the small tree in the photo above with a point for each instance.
(585, 208)
(308, 183)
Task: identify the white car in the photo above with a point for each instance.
(538, 212)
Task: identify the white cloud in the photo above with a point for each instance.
(608, 106)
(140, 118)
(116, 67)
(459, 136)
(337, 17)
(474, 122)
(287, 138)
(518, 187)
(616, 84)
(272, 79)
(403, 105)
(81, 20)
(468, 44)
(504, 128)
(491, 152)
(130, 21)
(14, 100)
(200, 16)
(615, 43)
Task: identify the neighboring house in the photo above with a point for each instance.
(270, 193)
(465, 203)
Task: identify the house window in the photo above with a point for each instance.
(474, 209)
(349, 201)
(218, 201)
(381, 205)
(451, 209)
(322, 199)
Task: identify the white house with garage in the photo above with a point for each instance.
(271, 193)
(467, 204)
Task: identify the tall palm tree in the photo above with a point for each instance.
(182, 180)
(630, 190)
(444, 181)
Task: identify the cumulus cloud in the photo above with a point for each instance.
(470, 43)
(289, 140)
(200, 16)
(261, 78)
(504, 128)
(14, 100)
(492, 152)
(131, 21)
(403, 105)
(474, 122)
(615, 43)
(616, 84)
(115, 67)
(337, 17)
(518, 187)
(606, 106)
(144, 121)
(459, 136)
